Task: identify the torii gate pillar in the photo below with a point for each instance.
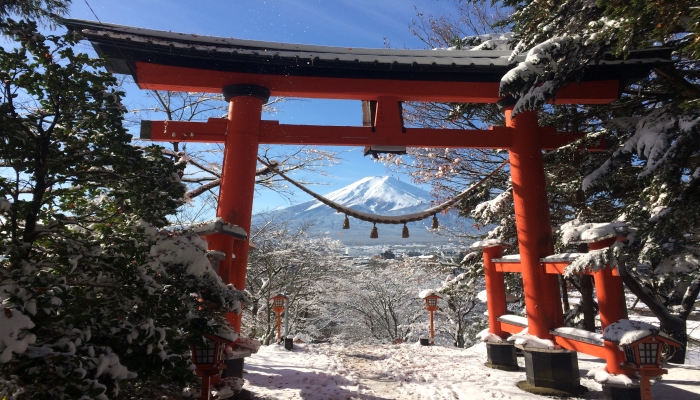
(542, 297)
(238, 181)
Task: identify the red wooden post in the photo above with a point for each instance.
(238, 181)
(204, 395)
(495, 289)
(645, 387)
(542, 297)
(279, 326)
(609, 290)
(611, 306)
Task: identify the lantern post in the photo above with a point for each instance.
(642, 345)
(278, 306)
(431, 305)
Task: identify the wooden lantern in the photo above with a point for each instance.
(642, 344)
(431, 304)
(278, 306)
(208, 359)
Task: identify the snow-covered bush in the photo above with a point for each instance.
(96, 301)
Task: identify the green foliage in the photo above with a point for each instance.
(39, 10)
(649, 177)
(79, 208)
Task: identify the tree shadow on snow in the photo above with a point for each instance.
(318, 384)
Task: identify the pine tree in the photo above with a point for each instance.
(650, 177)
(96, 299)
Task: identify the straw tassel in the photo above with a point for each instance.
(374, 234)
(435, 222)
(346, 223)
(404, 232)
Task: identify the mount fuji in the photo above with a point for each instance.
(375, 195)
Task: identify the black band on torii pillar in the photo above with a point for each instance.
(260, 92)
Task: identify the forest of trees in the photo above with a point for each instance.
(102, 301)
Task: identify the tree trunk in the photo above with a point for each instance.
(587, 302)
(564, 293)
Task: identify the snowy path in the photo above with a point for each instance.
(411, 371)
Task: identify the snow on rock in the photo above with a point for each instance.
(526, 340)
(624, 331)
(13, 335)
(601, 375)
(305, 338)
(488, 337)
(227, 387)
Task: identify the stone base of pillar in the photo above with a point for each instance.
(554, 371)
(424, 342)
(501, 356)
(621, 392)
(233, 368)
(289, 344)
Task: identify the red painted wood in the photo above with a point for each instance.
(181, 79)
(583, 347)
(508, 267)
(609, 290)
(272, 132)
(388, 113)
(611, 303)
(495, 289)
(542, 297)
(236, 190)
(279, 326)
(557, 268)
(510, 328)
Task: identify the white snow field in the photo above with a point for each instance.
(411, 371)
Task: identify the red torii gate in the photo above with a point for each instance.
(248, 72)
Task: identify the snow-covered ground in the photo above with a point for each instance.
(411, 371)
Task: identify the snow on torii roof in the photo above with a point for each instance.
(125, 46)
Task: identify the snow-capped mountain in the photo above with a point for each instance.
(381, 195)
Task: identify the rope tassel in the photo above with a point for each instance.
(404, 232)
(435, 222)
(346, 223)
(374, 234)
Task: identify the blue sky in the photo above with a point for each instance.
(352, 23)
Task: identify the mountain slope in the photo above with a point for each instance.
(375, 195)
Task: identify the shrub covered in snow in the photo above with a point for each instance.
(95, 300)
